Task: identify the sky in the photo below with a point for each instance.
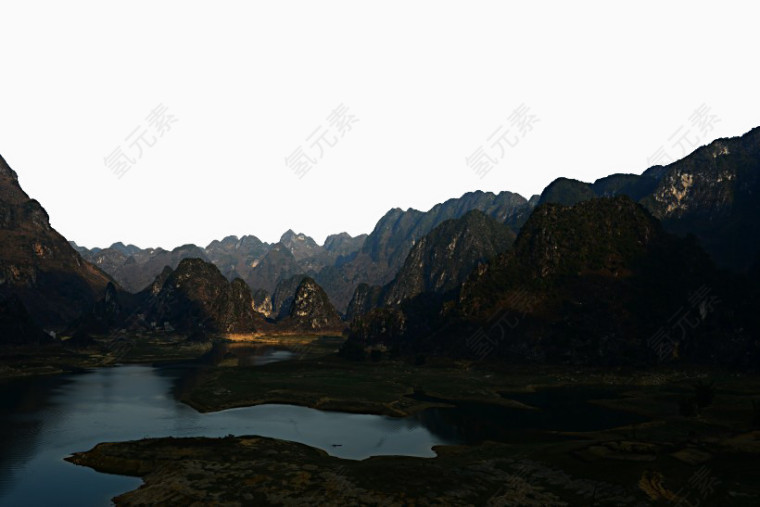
(166, 123)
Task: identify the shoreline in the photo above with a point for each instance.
(562, 466)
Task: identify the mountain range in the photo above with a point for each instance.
(340, 265)
(709, 194)
(590, 283)
(594, 261)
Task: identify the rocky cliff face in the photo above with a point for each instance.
(311, 309)
(711, 193)
(300, 245)
(440, 261)
(312, 258)
(37, 265)
(196, 297)
(609, 244)
(385, 249)
(365, 298)
(110, 260)
(385, 327)
(237, 257)
(283, 296)
(588, 284)
(278, 264)
(396, 233)
(262, 303)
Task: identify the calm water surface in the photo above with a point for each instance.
(43, 420)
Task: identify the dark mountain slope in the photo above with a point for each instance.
(595, 283)
(713, 194)
(385, 249)
(311, 310)
(441, 260)
(38, 265)
(196, 297)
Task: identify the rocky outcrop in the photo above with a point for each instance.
(380, 326)
(300, 245)
(311, 309)
(262, 303)
(283, 296)
(440, 261)
(365, 298)
(196, 297)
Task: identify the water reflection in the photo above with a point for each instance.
(184, 376)
(36, 428)
(45, 419)
(20, 399)
(42, 420)
(245, 354)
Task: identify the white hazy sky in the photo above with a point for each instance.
(607, 84)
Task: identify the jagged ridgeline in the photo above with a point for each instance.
(439, 262)
(453, 265)
(711, 193)
(340, 265)
(587, 284)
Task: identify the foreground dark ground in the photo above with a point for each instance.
(698, 445)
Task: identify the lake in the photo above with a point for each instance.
(44, 419)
